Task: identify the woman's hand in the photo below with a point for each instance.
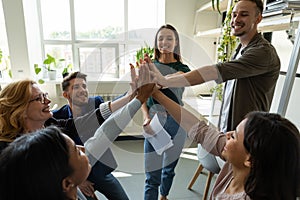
(87, 188)
(157, 77)
(147, 121)
(133, 84)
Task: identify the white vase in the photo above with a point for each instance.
(52, 75)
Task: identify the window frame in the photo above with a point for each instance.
(76, 44)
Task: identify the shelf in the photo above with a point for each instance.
(213, 33)
(268, 24)
(277, 22)
(208, 6)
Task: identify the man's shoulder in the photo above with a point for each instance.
(62, 113)
(96, 100)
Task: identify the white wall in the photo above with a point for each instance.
(195, 52)
(15, 25)
(284, 49)
(293, 110)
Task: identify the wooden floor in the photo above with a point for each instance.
(130, 158)
(130, 172)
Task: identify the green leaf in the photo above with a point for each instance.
(37, 70)
(65, 70)
(49, 60)
(144, 50)
(10, 73)
(70, 66)
(1, 55)
(41, 81)
(217, 5)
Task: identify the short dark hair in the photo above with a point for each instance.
(66, 81)
(34, 165)
(259, 4)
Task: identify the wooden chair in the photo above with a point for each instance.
(209, 162)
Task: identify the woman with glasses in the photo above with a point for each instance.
(25, 108)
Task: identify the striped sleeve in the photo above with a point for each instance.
(105, 109)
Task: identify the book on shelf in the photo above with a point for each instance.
(281, 8)
(273, 2)
(276, 12)
(284, 5)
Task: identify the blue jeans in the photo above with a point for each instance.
(106, 183)
(160, 169)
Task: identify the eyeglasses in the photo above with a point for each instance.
(41, 98)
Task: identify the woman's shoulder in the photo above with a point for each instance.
(178, 65)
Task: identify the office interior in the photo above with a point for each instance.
(24, 42)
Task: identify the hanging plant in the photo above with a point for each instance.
(226, 48)
(216, 6)
(227, 42)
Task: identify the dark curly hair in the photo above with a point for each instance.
(274, 145)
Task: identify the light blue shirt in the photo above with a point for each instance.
(106, 134)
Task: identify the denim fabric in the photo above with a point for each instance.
(160, 169)
(106, 184)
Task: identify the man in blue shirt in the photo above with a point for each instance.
(75, 90)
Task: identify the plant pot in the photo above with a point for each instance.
(52, 75)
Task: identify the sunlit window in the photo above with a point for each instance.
(98, 37)
(4, 52)
(56, 19)
(99, 19)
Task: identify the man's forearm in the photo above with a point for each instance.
(109, 130)
(115, 105)
(182, 116)
(195, 77)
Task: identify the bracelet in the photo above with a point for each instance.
(161, 87)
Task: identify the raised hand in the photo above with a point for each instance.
(144, 83)
(157, 77)
(133, 84)
(144, 75)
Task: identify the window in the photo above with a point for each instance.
(99, 37)
(99, 19)
(4, 53)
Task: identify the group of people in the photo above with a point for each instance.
(66, 154)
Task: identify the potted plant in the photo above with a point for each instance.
(144, 50)
(51, 64)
